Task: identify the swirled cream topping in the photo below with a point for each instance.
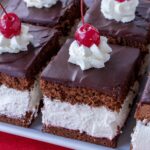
(119, 11)
(90, 57)
(40, 3)
(16, 43)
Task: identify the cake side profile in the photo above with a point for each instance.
(142, 128)
(24, 50)
(90, 105)
(89, 87)
(20, 107)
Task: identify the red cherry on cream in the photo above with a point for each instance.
(120, 1)
(10, 24)
(87, 35)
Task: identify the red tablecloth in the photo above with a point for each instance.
(11, 142)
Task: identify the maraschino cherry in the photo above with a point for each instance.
(87, 35)
(10, 24)
(120, 1)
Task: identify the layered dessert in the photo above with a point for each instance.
(141, 136)
(89, 88)
(24, 50)
(60, 14)
(124, 22)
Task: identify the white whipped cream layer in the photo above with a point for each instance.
(15, 103)
(119, 11)
(16, 43)
(41, 3)
(95, 121)
(93, 57)
(141, 136)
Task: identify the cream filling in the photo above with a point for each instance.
(95, 121)
(141, 136)
(15, 103)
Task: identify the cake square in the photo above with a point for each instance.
(141, 134)
(19, 89)
(75, 101)
(62, 15)
(134, 34)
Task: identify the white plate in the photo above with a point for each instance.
(34, 132)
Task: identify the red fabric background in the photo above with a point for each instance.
(11, 142)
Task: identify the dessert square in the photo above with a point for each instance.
(90, 105)
(134, 34)
(141, 134)
(62, 15)
(19, 88)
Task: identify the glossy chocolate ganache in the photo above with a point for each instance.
(46, 16)
(20, 64)
(113, 80)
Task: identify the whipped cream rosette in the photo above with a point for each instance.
(42, 3)
(89, 49)
(14, 36)
(119, 10)
(90, 57)
(16, 43)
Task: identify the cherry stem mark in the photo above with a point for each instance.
(4, 10)
(82, 14)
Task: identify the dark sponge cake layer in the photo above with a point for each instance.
(110, 84)
(24, 121)
(19, 70)
(61, 16)
(143, 109)
(80, 136)
(134, 34)
(79, 95)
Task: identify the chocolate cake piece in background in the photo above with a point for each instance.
(61, 16)
(90, 105)
(134, 34)
(141, 135)
(19, 90)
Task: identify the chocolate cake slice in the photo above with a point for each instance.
(19, 88)
(141, 136)
(134, 34)
(90, 105)
(62, 15)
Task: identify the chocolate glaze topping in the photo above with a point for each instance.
(138, 29)
(19, 65)
(146, 94)
(44, 16)
(112, 80)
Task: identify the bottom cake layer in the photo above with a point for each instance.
(95, 123)
(19, 107)
(141, 136)
(25, 121)
(76, 134)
